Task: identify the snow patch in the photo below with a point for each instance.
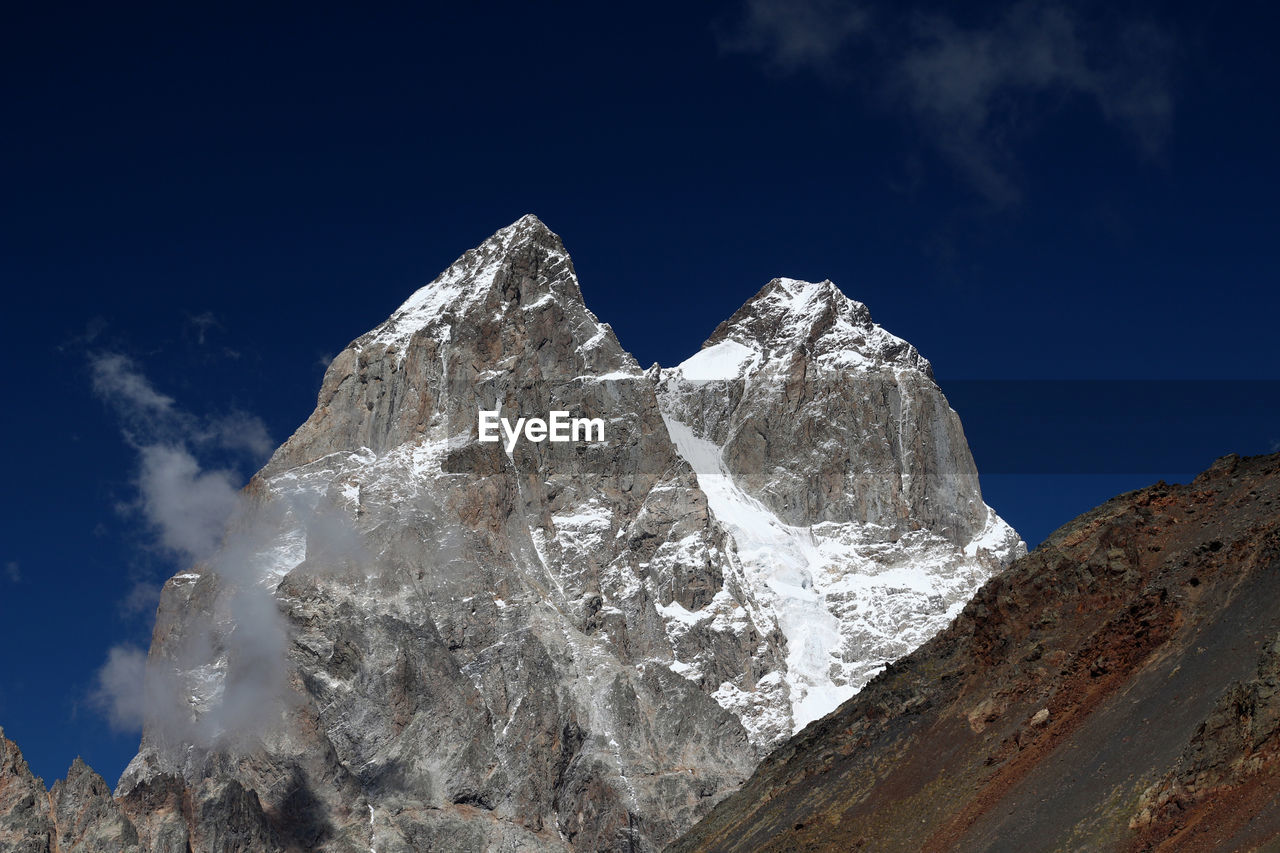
(782, 561)
(725, 360)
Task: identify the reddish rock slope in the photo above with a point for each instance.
(1114, 690)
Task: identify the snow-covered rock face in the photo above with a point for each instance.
(844, 480)
(568, 646)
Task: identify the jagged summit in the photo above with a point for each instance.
(77, 814)
(529, 221)
(796, 300)
(831, 456)
(505, 315)
(790, 322)
(522, 263)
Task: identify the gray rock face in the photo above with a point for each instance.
(25, 824)
(86, 816)
(78, 816)
(488, 666)
(831, 418)
(416, 640)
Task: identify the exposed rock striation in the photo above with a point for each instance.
(1114, 690)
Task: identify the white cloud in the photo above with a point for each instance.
(188, 507)
(239, 431)
(142, 598)
(117, 380)
(13, 571)
(150, 417)
(201, 517)
(120, 692)
(198, 516)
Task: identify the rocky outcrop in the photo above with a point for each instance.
(78, 816)
(413, 639)
(1114, 690)
(86, 816)
(25, 824)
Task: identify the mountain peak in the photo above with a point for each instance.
(529, 220)
(527, 243)
(526, 229)
(519, 236)
(445, 641)
(790, 318)
(790, 305)
(509, 307)
(799, 291)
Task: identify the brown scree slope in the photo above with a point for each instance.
(1114, 690)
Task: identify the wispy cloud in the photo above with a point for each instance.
(13, 571)
(188, 507)
(143, 598)
(151, 418)
(120, 688)
(201, 329)
(199, 517)
(795, 34)
(117, 380)
(974, 92)
(202, 323)
(238, 431)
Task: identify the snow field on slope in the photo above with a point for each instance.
(781, 561)
(724, 360)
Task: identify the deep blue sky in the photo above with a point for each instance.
(1032, 192)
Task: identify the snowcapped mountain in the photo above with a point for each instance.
(415, 639)
(845, 483)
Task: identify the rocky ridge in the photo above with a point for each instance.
(415, 640)
(78, 816)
